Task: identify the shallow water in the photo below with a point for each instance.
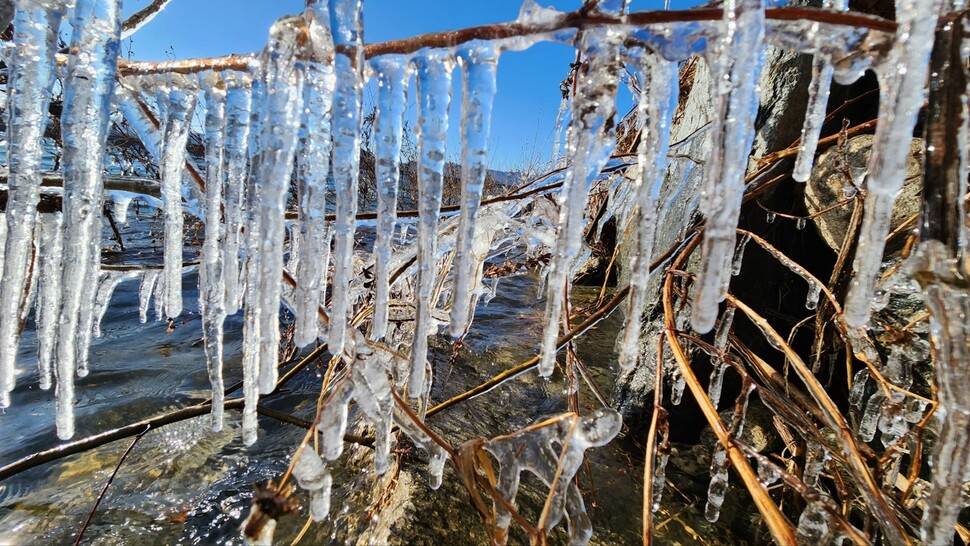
(183, 484)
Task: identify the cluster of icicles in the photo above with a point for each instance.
(296, 115)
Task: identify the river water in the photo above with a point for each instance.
(183, 484)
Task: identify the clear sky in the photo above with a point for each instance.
(528, 82)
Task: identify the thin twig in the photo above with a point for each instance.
(97, 502)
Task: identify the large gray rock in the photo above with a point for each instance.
(783, 94)
(839, 170)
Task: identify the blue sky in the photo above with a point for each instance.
(528, 82)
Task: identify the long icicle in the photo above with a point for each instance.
(434, 100)
(346, 25)
(737, 61)
(281, 111)
(591, 139)
(902, 91)
(392, 85)
(479, 63)
(179, 107)
(36, 23)
(314, 161)
(238, 110)
(212, 289)
(656, 106)
(253, 265)
(49, 294)
(84, 124)
(818, 99)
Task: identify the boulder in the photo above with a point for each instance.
(837, 174)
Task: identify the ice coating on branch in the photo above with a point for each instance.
(212, 287)
(238, 111)
(553, 451)
(84, 124)
(591, 139)
(145, 290)
(658, 100)
(346, 25)
(437, 455)
(736, 60)
(312, 475)
(902, 79)
(434, 97)
(531, 13)
(36, 23)
(313, 168)
(393, 73)
(48, 258)
(278, 139)
(818, 99)
(479, 61)
(179, 105)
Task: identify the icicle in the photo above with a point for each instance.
(901, 96)
(870, 417)
(659, 477)
(31, 68)
(212, 289)
(392, 81)
(718, 487)
(85, 325)
(159, 295)
(179, 106)
(815, 457)
(251, 313)
(84, 124)
(120, 206)
(148, 282)
(658, 100)
(434, 98)
(49, 292)
(739, 255)
(281, 112)
(372, 391)
(238, 110)
(945, 293)
(560, 118)
(346, 25)
(813, 524)
(737, 60)
(106, 288)
(591, 140)
(479, 63)
(314, 167)
(858, 389)
(333, 420)
(811, 300)
(818, 99)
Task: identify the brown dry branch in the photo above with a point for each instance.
(499, 31)
(876, 501)
(779, 526)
